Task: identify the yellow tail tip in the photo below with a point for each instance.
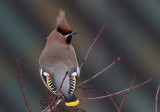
(75, 103)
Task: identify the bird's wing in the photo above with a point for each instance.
(48, 80)
(73, 82)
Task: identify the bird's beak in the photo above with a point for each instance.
(73, 33)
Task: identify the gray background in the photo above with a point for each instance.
(133, 30)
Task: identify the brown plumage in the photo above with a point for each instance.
(62, 22)
(57, 58)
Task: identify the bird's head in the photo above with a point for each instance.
(63, 29)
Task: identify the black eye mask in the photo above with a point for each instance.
(62, 32)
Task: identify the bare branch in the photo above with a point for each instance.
(127, 92)
(47, 109)
(156, 101)
(20, 82)
(49, 98)
(84, 59)
(99, 73)
(106, 96)
(113, 102)
(63, 80)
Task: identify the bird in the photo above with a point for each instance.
(58, 58)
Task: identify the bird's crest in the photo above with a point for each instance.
(62, 22)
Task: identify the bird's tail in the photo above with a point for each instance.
(71, 101)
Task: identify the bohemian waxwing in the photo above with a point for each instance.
(57, 58)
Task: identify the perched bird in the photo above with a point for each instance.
(57, 58)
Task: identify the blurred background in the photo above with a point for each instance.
(133, 30)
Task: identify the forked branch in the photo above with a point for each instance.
(113, 94)
(113, 102)
(127, 92)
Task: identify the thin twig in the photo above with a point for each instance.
(48, 109)
(99, 73)
(156, 101)
(113, 94)
(106, 96)
(128, 91)
(49, 99)
(113, 102)
(55, 108)
(20, 82)
(85, 90)
(63, 80)
(84, 59)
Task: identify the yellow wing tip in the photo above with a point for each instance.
(75, 103)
